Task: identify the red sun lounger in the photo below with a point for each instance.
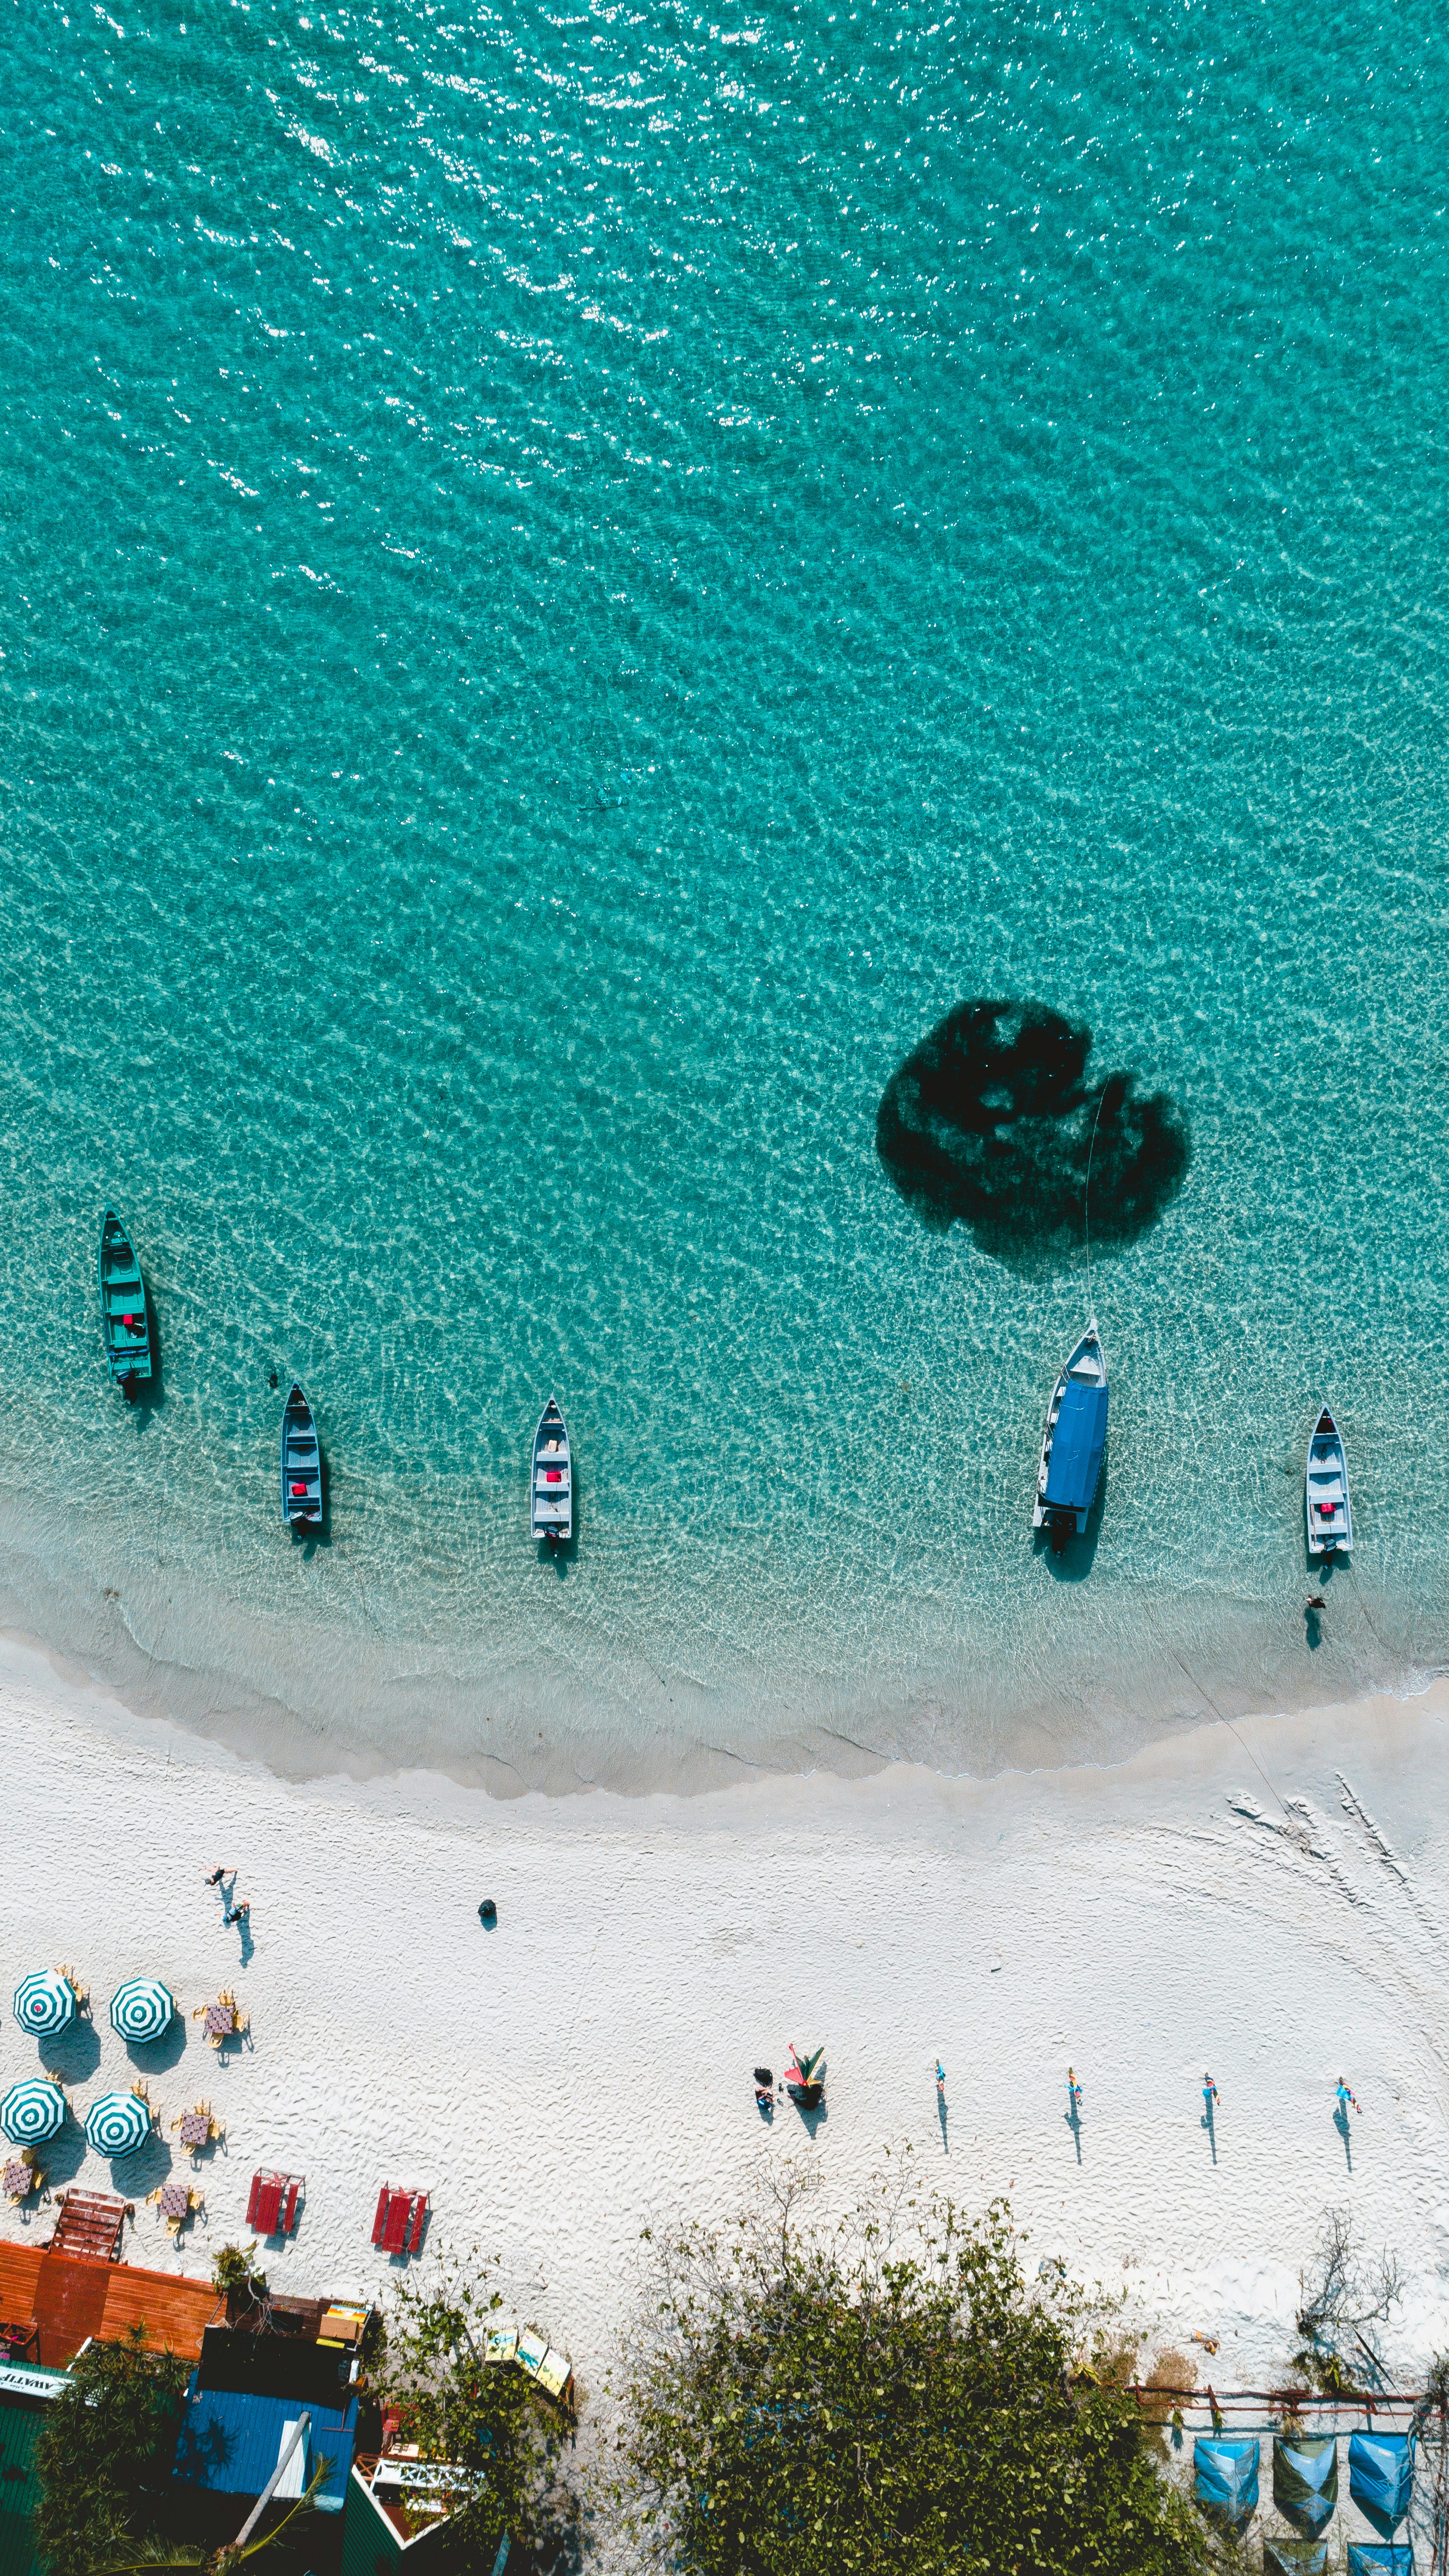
(379, 2224)
(272, 2207)
(265, 2205)
(414, 2236)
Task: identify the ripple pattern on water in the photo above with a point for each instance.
(572, 584)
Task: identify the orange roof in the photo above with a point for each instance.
(71, 2296)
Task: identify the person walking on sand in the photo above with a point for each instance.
(217, 1876)
(940, 2077)
(238, 1913)
(1209, 2095)
(1346, 2100)
(1074, 2097)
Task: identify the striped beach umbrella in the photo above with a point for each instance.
(141, 2010)
(32, 2111)
(44, 2003)
(118, 2123)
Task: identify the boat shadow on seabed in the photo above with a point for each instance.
(1073, 1563)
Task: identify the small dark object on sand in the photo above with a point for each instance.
(488, 1913)
(763, 2075)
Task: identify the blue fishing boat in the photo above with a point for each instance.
(1073, 1442)
(125, 1325)
(301, 1462)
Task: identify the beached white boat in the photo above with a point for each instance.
(1330, 1515)
(552, 1500)
(1073, 1442)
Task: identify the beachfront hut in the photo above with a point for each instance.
(26, 2396)
(1225, 2474)
(1295, 2557)
(1380, 2478)
(1380, 2558)
(32, 2112)
(141, 2011)
(118, 2123)
(399, 2519)
(231, 2441)
(44, 2003)
(1305, 2479)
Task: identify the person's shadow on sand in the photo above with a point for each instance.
(1340, 2122)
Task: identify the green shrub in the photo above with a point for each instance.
(886, 2399)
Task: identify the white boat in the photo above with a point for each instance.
(1073, 1442)
(552, 1499)
(1330, 1514)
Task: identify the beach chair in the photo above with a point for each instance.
(264, 2207)
(398, 2226)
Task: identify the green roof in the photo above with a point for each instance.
(24, 2396)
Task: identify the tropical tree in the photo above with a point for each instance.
(104, 2463)
(484, 2425)
(886, 2396)
(104, 2458)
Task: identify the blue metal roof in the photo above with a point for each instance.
(229, 2442)
(1077, 1445)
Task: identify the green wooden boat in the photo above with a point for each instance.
(125, 1325)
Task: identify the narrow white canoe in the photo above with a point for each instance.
(1073, 1441)
(1330, 1515)
(551, 1514)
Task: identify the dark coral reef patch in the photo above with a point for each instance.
(991, 1120)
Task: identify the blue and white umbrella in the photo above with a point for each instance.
(141, 2010)
(32, 2111)
(44, 2003)
(118, 2123)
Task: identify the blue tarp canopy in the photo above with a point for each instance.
(1380, 2558)
(1380, 2475)
(230, 2442)
(1305, 2479)
(1226, 2474)
(1077, 1444)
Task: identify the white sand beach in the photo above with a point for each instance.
(1269, 1901)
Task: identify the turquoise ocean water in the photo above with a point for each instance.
(572, 582)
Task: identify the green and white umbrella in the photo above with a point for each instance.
(118, 2123)
(44, 2003)
(141, 2010)
(32, 2111)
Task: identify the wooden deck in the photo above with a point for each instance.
(71, 2296)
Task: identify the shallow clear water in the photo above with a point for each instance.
(572, 584)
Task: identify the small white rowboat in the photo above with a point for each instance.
(551, 1504)
(1330, 1515)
